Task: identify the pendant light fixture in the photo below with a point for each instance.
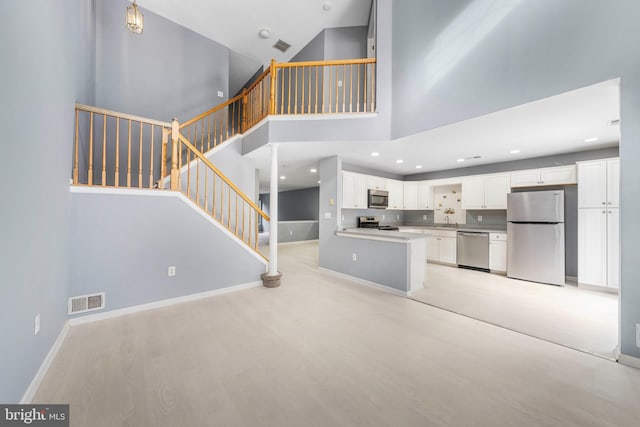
(135, 19)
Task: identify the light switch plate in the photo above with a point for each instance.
(220, 94)
(327, 215)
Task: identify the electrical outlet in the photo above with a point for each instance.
(397, 217)
(327, 215)
(172, 271)
(354, 257)
(36, 324)
(479, 218)
(424, 217)
(638, 335)
(290, 233)
(383, 217)
(343, 217)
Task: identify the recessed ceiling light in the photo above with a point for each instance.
(326, 6)
(460, 160)
(418, 166)
(313, 170)
(375, 154)
(399, 161)
(283, 177)
(514, 151)
(264, 33)
(593, 139)
(318, 181)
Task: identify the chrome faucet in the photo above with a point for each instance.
(446, 219)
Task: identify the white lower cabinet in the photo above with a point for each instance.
(599, 247)
(498, 252)
(441, 246)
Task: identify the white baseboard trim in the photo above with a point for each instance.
(297, 242)
(159, 304)
(364, 282)
(632, 361)
(44, 367)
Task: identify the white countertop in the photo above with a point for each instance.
(375, 234)
(463, 227)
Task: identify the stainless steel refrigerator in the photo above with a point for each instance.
(535, 242)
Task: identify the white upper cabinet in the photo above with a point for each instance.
(376, 182)
(599, 183)
(485, 191)
(425, 195)
(396, 194)
(411, 194)
(354, 190)
(560, 175)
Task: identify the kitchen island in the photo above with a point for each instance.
(391, 260)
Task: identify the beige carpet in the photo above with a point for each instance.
(586, 320)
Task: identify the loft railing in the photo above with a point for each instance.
(112, 149)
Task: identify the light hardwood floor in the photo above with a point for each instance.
(586, 320)
(323, 351)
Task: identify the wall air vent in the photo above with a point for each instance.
(84, 303)
(282, 45)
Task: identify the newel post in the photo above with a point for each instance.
(272, 91)
(244, 109)
(175, 173)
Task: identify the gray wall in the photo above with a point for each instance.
(46, 67)
(345, 43)
(330, 190)
(124, 244)
(297, 231)
(539, 49)
(168, 71)
(295, 205)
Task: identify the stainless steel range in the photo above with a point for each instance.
(374, 222)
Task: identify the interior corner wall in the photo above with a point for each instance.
(46, 68)
(446, 71)
(167, 71)
(345, 43)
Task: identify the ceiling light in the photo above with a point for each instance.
(318, 181)
(592, 139)
(514, 151)
(283, 177)
(399, 161)
(326, 6)
(313, 170)
(460, 160)
(264, 33)
(375, 154)
(135, 19)
(418, 166)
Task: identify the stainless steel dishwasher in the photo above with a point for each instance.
(473, 250)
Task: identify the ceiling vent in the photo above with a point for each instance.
(84, 303)
(282, 45)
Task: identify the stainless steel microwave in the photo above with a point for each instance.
(378, 199)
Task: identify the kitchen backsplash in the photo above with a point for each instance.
(418, 218)
(489, 217)
(391, 217)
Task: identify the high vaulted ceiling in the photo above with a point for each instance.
(236, 23)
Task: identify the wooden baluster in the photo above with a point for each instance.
(129, 157)
(163, 159)
(215, 131)
(366, 80)
(140, 160)
(188, 172)
(323, 89)
(255, 245)
(302, 90)
(337, 89)
(175, 152)
(213, 199)
(197, 180)
(208, 132)
(330, 87)
(358, 100)
(117, 172)
(229, 208)
(373, 87)
(202, 136)
(244, 207)
(104, 150)
(244, 109)
(351, 88)
(236, 215)
(344, 88)
(206, 189)
(76, 153)
(289, 93)
(295, 97)
(309, 95)
(151, 160)
(90, 172)
(221, 202)
(272, 87)
(282, 93)
(316, 100)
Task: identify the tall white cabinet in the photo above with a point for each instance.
(598, 223)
